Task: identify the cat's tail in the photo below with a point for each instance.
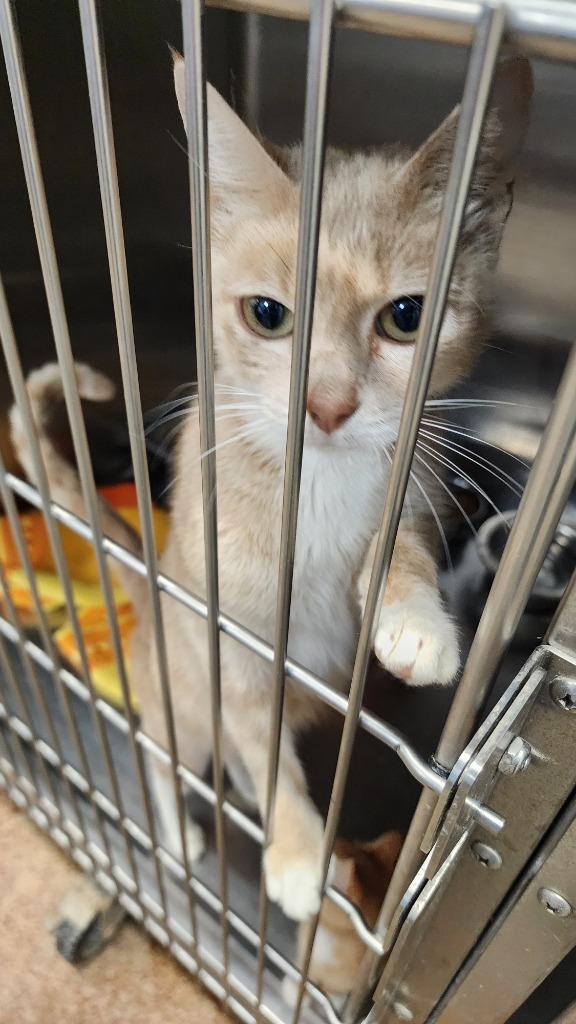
(45, 391)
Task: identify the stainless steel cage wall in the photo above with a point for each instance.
(95, 822)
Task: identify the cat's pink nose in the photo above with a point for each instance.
(330, 414)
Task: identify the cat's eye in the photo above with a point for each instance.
(399, 320)
(267, 317)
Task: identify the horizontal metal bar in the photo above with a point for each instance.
(415, 764)
(417, 767)
(110, 196)
(488, 36)
(24, 123)
(552, 476)
(204, 790)
(393, 739)
(537, 29)
(188, 777)
(27, 798)
(372, 941)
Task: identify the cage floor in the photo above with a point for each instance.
(243, 853)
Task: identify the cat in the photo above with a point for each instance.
(362, 872)
(380, 214)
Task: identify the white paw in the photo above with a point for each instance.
(289, 991)
(417, 640)
(295, 887)
(195, 843)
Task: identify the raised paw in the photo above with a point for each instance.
(417, 641)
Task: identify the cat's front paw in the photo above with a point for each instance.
(417, 641)
(293, 880)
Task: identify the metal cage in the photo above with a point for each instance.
(447, 944)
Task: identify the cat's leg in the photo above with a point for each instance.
(166, 806)
(191, 721)
(416, 638)
(292, 862)
(239, 776)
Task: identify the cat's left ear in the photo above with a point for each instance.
(243, 176)
(504, 132)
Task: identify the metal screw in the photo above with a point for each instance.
(486, 856)
(563, 693)
(402, 1012)
(516, 758)
(554, 903)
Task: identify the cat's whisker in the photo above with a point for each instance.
(241, 435)
(191, 387)
(466, 403)
(237, 391)
(177, 143)
(181, 413)
(444, 461)
(166, 444)
(407, 498)
(168, 440)
(437, 520)
(169, 437)
(165, 418)
(252, 429)
(477, 460)
(449, 492)
(435, 515)
(467, 432)
(187, 385)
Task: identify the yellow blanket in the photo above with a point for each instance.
(88, 598)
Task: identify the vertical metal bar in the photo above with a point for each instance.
(45, 242)
(49, 647)
(409, 862)
(251, 78)
(108, 177)
(483, 60)
(16, 375)
(317, 85)
(198, 169)
(14, 691)
(21, 396)
(545, 495)
(13, 747)
(10, 686)
(553, 475)
(21, 697)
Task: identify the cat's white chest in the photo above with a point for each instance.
(340, 498)
(340, 505)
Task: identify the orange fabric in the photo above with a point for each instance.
(88, 600)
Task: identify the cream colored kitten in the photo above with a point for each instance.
(379, 220)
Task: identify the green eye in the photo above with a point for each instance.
(399, 320)
(267, 317)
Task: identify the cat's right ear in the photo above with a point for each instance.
(504, 131)
(243, 177)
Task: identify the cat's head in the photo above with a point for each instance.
(380, 215)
